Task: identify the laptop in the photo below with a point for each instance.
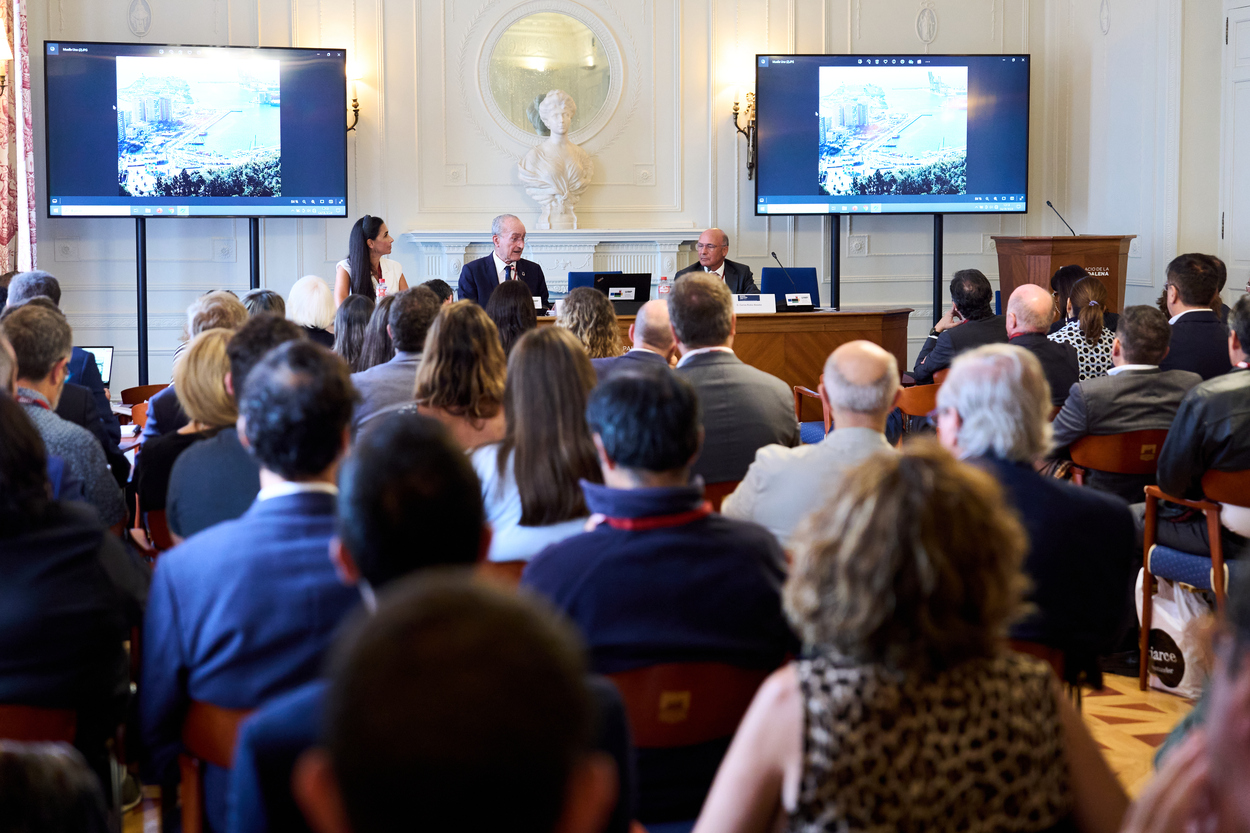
(103, 360)
(627, 291)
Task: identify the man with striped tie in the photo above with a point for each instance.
(479, 278)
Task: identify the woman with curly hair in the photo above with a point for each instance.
(589, 315)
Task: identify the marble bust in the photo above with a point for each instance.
(556, 172)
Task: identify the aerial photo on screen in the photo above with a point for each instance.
(893, 130)
(198, 127)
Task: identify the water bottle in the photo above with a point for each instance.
(666, 287)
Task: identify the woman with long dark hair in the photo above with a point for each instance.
(364, 272)
(511, 307)
(378, 347)
(350, 323)
(530, 480)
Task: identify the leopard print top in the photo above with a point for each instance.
(1092, 359)
(976, 748)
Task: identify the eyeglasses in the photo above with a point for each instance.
(710, 247)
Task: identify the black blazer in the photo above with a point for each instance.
(737, 277)
(1059, 363)
(1199, 343)
(939, 351)
(78, 405)
(165, 414)
(605, 369)
(478, 280)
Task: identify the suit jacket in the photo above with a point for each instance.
(478, 279)
(165, 414)
(214, 480)
(1134, 400)
(939, 351)
(1059, 363)
(236, 615)
(743, 409)
(737, 277)
(1199, 344)
(1211, 431)
(637, 359)
(385, 386)
(78, 405)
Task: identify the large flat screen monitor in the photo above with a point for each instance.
(892, 134)
(166, 130)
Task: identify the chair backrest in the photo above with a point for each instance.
(1133, 452)
(504, 573)
(918, 400)
(1052, 656)
(682, 704)
(715, 493)
(30, 723)
(209, 732)
(800, 393)
(158, 530)
(773, 281)
(577, 279)
(142, 393)
(939, 376)
(139, 414)
(1231, 487)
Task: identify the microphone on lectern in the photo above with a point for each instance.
(783, 270)
(1060, 216)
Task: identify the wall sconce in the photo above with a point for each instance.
(6, 55)
(748, 131)
(354, 75)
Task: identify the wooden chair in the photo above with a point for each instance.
(503, 573)
(150, 532)
(209, 734)
(801, 393)
(715, 493)
(940, 376)
(1133, 452)
(1218, 487)
(139, 414)
(682, 704)
(142, 393)
(917, 401)
(31, 723)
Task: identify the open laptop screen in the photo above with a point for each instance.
(103, 360)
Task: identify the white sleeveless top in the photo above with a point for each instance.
(391, 273)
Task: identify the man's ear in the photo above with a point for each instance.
(632, 340)
(604, 460)
(389, 333)
(229, 380)
(316, 791)
(590, 796)
(344, 564)
(241, 428)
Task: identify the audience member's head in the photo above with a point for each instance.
(214, 310)
(450, 690)
(861, 383)
(1142, 336)
(48, 788)
(972, 294)
(310, 303)
(42, 341)
(463, 367)
(8, 366)
(440, 288)
(712, 247)
(250, 344)
(264, 300)
(23, 470)
(511, 307)
(35, 284)
(1061, 284)
(1030, 309)
(914, 564)
(200, 380)
(4, 287)
(1192, 281)
(406, 473)
(652, 329)
(378, 347)
(549, 380)
(1239, 330)
(645, 424)
(995, 403)
(589, 315)
(701, 311)
(411, 316)
(350, 323)
(1089, 304)
(1221, 278)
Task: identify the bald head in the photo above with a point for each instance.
(651, 329)
(861, 378)
(1029, 310)
(712, 247)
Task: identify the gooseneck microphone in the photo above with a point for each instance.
(1060, 216)
(783, 270)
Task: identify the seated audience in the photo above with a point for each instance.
(969, 323)
(386, 386)
(311, 305)
(264, 300)
(217, 479)
(461, 378)
(1199, 338)
(1087, 329)
(589, 315)
(378, 348)
(512, 309)
(1081, 559)
(363, 271)
(442, 289)
(46, 788)
(784, 484)
(63, 483)
(245, 610)
(662, 578)
(68, 593)
(1135, 396)
(1028, 317)
(530, 479)
(1061, 284)
(457, 707)
(908, 712)
(350, 322)
(200, 379)
(1211, 431)
(42, 341)
(743, 408)
(652, 337)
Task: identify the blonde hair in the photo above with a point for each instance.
(463, 368)
(914, 563)
(200, 380)
(589, 315)
(311, 303)
(218, 308)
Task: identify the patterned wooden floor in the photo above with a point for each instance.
(1130, 725)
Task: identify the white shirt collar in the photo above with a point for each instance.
(290, 487)
(718, 272)
(499, 267)
(1176, 317)
(1125, 367)
(701, 350)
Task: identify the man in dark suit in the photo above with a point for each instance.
(970, 322)
(744, 408)
(79, 407)
(1135, 396)
(1029, 311)
(1199, 338)
(1082, 561)
(244, 611)
(712, 247)
(391, 383)
(479, 278)
(652, 337)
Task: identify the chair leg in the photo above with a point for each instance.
(1217, 558)
(1150, 526)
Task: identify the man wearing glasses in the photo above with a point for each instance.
(712, 247)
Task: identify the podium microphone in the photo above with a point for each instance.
(1060, 216)
(783, 270)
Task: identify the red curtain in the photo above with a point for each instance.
(17, 158)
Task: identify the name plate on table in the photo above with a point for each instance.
(799, 299)
(538, 301)
(754, 303)
(620, 293)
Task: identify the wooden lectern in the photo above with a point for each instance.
(1024, 260)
